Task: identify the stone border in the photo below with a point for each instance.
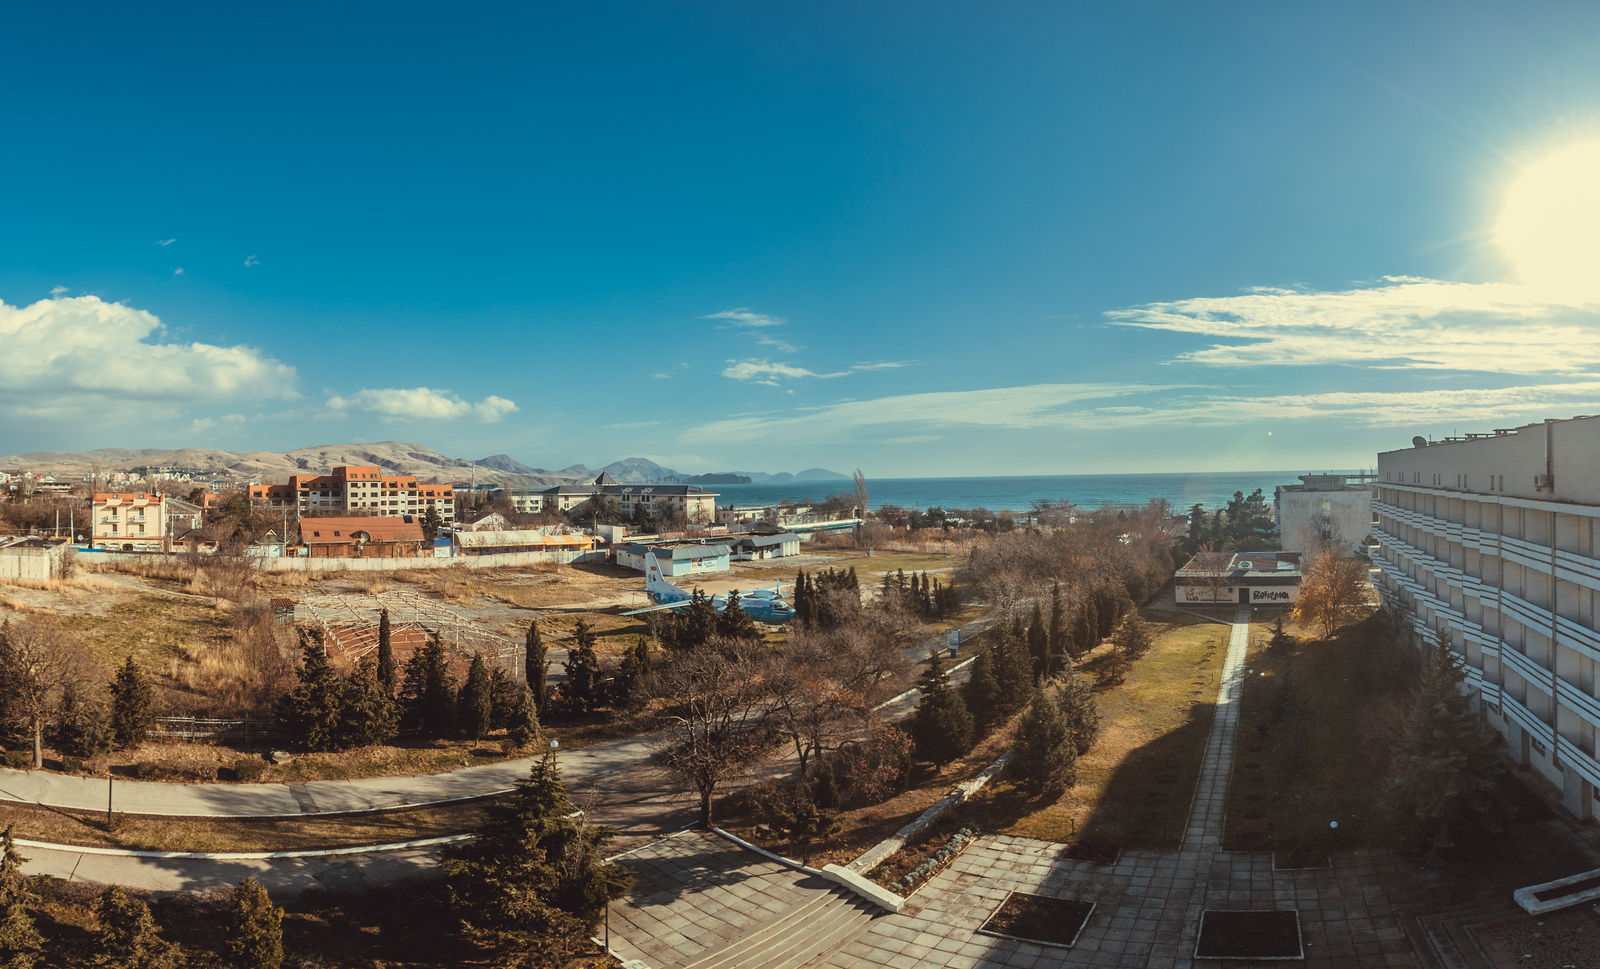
(875, 855)
(240, 855)
(1525, 897)
(843, 877)
(980, 930)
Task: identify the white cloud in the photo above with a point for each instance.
(744, 316)
(56, 292)
(881, 365)
(165, 242)
(1404, 323)
(765, 371)
(207, 423)
(1039, 405)
(420, 403)
(632, 425)
(251, 261)
(80, 355)
(178, 271)
(781, 346)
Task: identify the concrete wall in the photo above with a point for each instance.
(1515, 457)
(1300, 515)
(297, 564)
(34, 564)
(1199, 595)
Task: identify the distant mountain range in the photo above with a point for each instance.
(396, 457)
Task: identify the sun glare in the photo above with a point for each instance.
(1550, 226)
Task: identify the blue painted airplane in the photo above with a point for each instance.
(762, 605)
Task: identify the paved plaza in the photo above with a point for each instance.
(1372, 909)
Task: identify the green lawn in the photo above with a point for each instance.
(1135, 785)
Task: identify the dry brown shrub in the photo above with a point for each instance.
(371, 587)
(90, 582)
(246, 672)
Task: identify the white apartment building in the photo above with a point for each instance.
(1321, 510)
(1493, 540)
(129, 521)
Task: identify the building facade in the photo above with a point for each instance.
(1255, 578)
(358, 538)
(663, 502)
(129, 521)
(357, 487)
(1492, 542)
(1323, 510)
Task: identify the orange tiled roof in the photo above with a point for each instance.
(339, 531)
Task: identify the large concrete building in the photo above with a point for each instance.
(361, 488)
(1323, 510)
(129, 521)
(664, 502)
(1491, 540)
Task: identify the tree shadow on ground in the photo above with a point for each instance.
(1146, 802)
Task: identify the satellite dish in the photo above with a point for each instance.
(1419, 441)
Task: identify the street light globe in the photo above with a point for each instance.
(1333, 824)
(554, 744)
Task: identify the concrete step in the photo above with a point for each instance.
(794, 938)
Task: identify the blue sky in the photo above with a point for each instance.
(921, 239)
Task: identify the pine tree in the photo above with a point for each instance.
(253, 927)
(476, 706)
(1044, 756)
(20, 942)
(634, 669)
(538, 665)
(1445, 775)
(523, 728)
(532, 878)
(941, 728)
(1038, 642)
(734, 623)
(81, 728)
(1059, 643)
(428, 690)
(128, 937)
(387, 671)
(1080, 706)
(368, 716)
(132, 708)
(981, 692)
(310, 715)
(583, 670)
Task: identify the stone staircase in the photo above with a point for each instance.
(795, 938)
(1441, 938)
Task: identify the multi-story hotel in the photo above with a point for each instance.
(1492, 540)
(129, 521)
(660, 501)
(361, 488)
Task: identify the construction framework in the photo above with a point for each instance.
(349, 624)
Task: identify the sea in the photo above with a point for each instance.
(1017, 493)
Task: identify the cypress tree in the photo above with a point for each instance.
(1059, 645)
(476, 707)
(20, 941)
(367, 715)
(254, 928)
(1013, 669)
(387, 672)
(538, 666)
(941, 729)
(583, 670)
(129, 937)
(1038, 642)
(505, 694)
(132, 709)
(310, 715)
(81, 728)
(427, 690)
(1445, 775)
(523, 728)
(634, 668)
(1080, 706)
(1088, 629)
(1044, 756)
(981, 692)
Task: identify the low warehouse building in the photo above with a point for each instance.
(754, 548)
(676, 560)
(1257, 578)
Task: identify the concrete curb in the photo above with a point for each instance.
(240, 855)
(873, 856)
(788, 862)
(871, 891)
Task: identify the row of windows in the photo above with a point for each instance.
(1497, 482)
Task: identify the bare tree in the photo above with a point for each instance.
(39, 666)
(717, 715)
(860, 481)
(1333, 590)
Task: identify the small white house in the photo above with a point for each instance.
(676, 560)
(755, 548)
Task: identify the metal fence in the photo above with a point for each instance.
(194, 728)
